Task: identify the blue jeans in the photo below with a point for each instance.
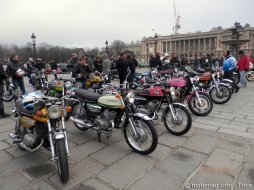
(243, 80)
(19, 83)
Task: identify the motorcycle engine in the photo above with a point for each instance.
(30, 136)
(153, 105)
(104, 120)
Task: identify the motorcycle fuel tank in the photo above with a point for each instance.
(177, 82)
(155, 91)
(110, 100)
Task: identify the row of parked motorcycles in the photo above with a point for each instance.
(104, 107)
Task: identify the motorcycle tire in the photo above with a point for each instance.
(200, 110)
(236, 78)
(222, 98)
(250, 76)
(132, 141)
(172, 128)
(230, 86)
(75, 113)
(10, 96)
(62, 160)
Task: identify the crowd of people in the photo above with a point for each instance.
(125, 64)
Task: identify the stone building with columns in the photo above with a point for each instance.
(191, 43)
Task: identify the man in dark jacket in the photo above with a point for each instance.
(183, 62)
(129, 66)
(17, 71)
(39, 64)
(53, 66)
(82, 69)
(2, 78)
(174, 61)
(120, 66)
(157, 61)
(30, 69)
(74, 60)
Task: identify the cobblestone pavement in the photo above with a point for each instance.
(218, 152)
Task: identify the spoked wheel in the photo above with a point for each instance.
(146, 140)
(8, 94)
(230, 86)
(62, 160)
(250, 76)
(202, 107)
(179, 125)
(79, 112)
(220, 96)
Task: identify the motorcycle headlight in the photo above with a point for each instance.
(54, 111)
(131, 97)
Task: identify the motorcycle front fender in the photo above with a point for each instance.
(142, 116)
(193, 94)
(179, 104)
(59, 135)
(227, 80)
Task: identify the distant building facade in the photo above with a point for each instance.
(191, 43)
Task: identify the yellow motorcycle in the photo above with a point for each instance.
(40, 122)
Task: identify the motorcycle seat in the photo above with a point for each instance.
(87, 95)
(149, 81)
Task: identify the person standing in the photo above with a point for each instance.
(157, 61)
(2, 78)
(183, 62)
(53, 66)
(243, 67)
(120, 67)
(129, 66)
(17, 71)
(90, 60)
(40, 65)
(106, 65)
(228, 66)
(174, 61)
(196, 62)
(30, 69)
(73, 61)
(82, 69)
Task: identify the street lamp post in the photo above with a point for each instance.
(106, 43)
(155, 37)
(33, 37)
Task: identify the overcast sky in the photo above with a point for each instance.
(89, 23)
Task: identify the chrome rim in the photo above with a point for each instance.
(178, 124)
(144, 139)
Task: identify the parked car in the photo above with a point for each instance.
(63, 67)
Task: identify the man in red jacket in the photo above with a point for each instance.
(243, 67)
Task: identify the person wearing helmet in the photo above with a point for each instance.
(166, 60)
(39, 64)
(17, 71)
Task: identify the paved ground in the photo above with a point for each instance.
(217, 152)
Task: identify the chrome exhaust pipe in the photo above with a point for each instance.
(80, 122)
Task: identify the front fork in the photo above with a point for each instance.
(59, 135)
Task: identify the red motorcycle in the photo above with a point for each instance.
(182, 88)
(198, 102)
(176, 117)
